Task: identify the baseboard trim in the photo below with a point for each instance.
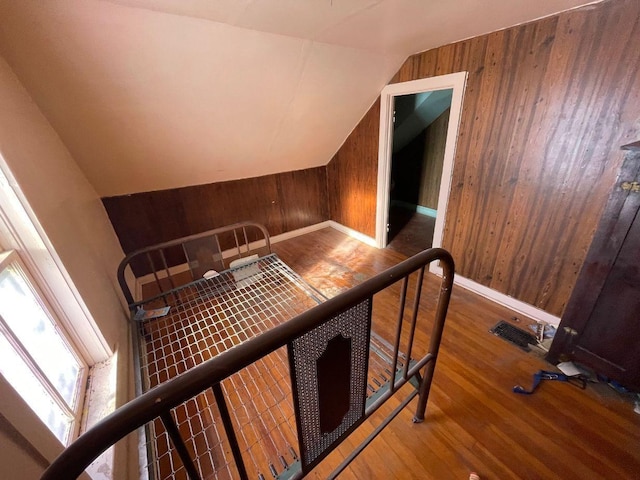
(301, 231)
(511, 303)
(517, 306)
(429, 212)
(184, 267)
(353, 233)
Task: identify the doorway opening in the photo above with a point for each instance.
(418, 132)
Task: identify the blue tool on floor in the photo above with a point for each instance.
(578, 381)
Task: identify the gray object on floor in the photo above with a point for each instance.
(519, 337)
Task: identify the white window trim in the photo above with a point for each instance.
(20, 230)
(29, 426)
(12, 257)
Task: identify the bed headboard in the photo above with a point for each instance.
(191, 257)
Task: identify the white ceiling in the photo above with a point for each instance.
(155, 94)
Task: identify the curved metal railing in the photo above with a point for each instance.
(241, 244)
(159, 401)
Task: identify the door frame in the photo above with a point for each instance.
(455, 81)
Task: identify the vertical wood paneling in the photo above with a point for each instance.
(303, 196)
(353, 176)
(435, 140)
(282, 202)
(545, 108)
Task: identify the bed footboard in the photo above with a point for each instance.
(193, 255)
(328, 349)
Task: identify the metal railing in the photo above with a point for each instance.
(153, 259)
(159, 401)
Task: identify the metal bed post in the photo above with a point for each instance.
(229, 430)
(436, 337)
(155, 275)
(414, 319)
(174, 434)
(396, 346)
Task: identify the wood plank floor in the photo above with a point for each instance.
(413, 231)
(474, 421)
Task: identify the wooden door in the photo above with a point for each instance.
(601, 324)
(610, 338)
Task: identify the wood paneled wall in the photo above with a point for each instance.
(352, 176)
(546, 107)
(282, 202)
(434, 143)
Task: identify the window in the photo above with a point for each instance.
(36, 356)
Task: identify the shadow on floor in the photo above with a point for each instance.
(410, 232)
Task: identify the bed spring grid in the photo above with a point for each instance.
(211, 316)
(219, 388)
(206, 318)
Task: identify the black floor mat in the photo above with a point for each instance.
(513, 334)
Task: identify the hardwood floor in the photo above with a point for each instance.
(474, 421)
(413, 232)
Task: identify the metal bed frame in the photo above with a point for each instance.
(253, 372)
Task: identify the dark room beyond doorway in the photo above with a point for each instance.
(419, 137)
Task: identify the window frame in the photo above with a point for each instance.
(21, 230)
(11, 257)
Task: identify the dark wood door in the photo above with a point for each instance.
(601, 324)
(610, 338)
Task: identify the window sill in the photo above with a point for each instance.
(100, 401)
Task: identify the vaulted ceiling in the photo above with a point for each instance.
(155, 94)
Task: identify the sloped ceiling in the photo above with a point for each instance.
(155, 94)
(414, 113)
